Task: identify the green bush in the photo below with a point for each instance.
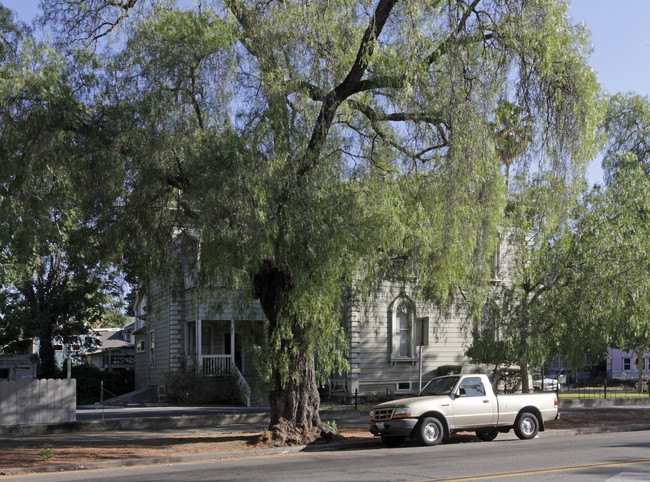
(191, 388)
(89, 379)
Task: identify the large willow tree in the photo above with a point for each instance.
(315, 146)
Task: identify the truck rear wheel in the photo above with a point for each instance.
(487, 434)
(430, 431)
(526, 426)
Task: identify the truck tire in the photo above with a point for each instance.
(430, 431)
(394, 441)
(526, 426)
(487, 434)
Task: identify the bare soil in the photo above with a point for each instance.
(77, 453)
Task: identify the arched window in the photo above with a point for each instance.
(401, 316)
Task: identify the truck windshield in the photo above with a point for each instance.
(439, 386)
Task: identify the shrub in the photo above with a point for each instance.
(190, 388)
(89, 379)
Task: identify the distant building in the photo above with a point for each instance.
(17, 367)
(106, 348)
(115, 348)
(625, 364)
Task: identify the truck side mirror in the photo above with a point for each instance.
(461, 392)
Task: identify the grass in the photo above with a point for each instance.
(588, 393)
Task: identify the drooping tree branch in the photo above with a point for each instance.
(350, 85)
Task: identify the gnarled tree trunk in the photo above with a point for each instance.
(294, 401)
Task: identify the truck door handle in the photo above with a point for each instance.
(486, 401)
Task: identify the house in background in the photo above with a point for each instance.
(18, 367)
(106, 348)
(115, 349)
(625, 364)
(396, 343)
(179, 328)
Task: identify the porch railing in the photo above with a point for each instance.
(216, 364)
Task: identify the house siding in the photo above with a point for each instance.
(373, 368)
(616, 367)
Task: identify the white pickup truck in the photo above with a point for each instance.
(461, 403)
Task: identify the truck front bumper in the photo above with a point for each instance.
(396, 427)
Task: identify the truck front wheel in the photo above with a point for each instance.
(430, 431)
(526, 426)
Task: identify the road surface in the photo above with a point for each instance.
(600, 457)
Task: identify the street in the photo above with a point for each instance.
(608, 456)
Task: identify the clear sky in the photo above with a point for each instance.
(620, 35)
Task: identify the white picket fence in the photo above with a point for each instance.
(28, 402)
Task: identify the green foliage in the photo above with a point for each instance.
(314, 148)
(189, 388)
(89, 379)
(57, 277)
(47, 452)
(332, 425)
(614, 229)
(581, 283)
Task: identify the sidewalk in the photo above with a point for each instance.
(188, 438)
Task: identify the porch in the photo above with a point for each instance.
(211, 347)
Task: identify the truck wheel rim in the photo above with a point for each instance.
(527, 426)
(431, 432)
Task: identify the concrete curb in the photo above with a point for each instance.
(140, 423)
(206, 456)
(158, 423)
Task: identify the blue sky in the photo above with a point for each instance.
(620, 36)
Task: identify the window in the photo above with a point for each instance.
(75, 347)
(140, 346)
(152, 348)
(644, 363)
(58, 347)
(472, 387)
(626, 363)
(402, 332)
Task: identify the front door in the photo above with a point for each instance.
(473, 408)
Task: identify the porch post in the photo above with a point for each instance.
(232, 343)
(199, 346)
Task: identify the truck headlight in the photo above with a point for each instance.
(402, 412)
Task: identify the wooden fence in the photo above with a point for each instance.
(27, 402)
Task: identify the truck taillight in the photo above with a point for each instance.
(556, 402)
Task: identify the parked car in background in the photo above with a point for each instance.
(559, 375)
(545, 384)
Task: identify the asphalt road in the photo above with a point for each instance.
(609, 456)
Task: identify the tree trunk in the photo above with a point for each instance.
(639, 365)
(294, 401)
(47, 361)
(523, 372)
(294, 407)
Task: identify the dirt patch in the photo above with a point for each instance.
(595, 419)
(62, 452)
